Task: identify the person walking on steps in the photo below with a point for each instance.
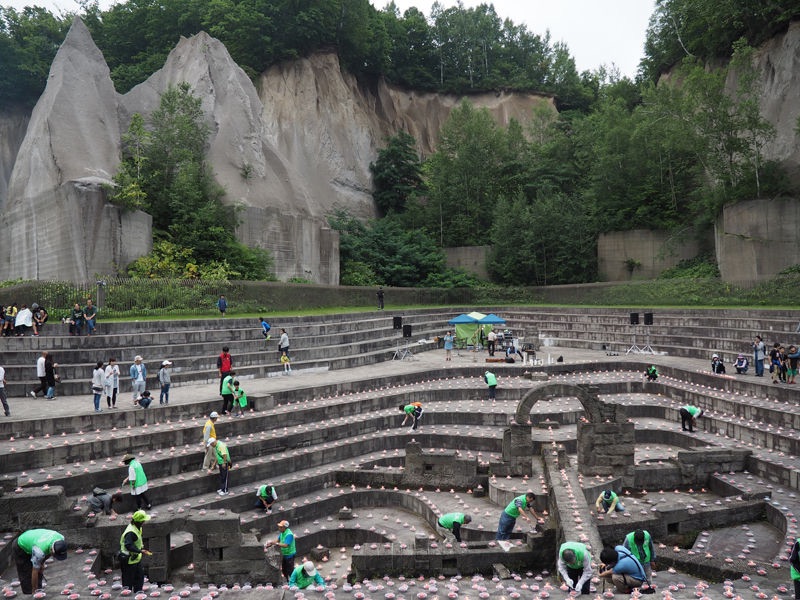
(283, 343)
(3, 397)
(265, 327)
(31, 550)
(412, 411)
(137, 481)
(40, 373)
(131, 550)
(227, 393)
(224, 365)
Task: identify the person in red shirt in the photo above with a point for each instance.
(224, 365)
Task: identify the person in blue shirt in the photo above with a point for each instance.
(265, 327)
(622, 568)
(222, 305)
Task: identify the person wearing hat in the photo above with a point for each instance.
(741, 365)
(131, 549)
(608, 502)
(138, 373)
(31, 549)
(689, 415)
(288, 548)
(717, 365)
(223, 462)
(209, 431)
(449, 525)
(137, 480)
(304, 575)
(164, 380)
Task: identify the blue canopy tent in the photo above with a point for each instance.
(468, 326)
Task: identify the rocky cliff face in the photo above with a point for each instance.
(287, 157)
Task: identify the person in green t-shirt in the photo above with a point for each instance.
(304, 575)
(449, 525)
(516, 508)
(689, 416)
(31, 549)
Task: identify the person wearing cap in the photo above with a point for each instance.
(138, 373)
(491, 380)
(265, 497)
(223, 462)
(689, 416)
(449, 525)
(137, 481)
(717, 365)
(31, 549)
(304, 575)
(288, 548)
(164, 380)
(608, 502)
(209, 431)
(741, 365)
(131, 550)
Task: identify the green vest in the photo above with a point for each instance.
(226, 385)
(448, 519)
(41, 538)
(223, 456)
(265, 492)
(132, 559)
(794, 572)
(140, 479)
(578, 549)
(635, 548)
(512, 510)
(291, 549)
(491, 378)
(693, 410)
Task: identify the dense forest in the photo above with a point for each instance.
(619, 153)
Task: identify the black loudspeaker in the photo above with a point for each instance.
(634, 318)
(407, 331)
(397, 322)
(648, 318)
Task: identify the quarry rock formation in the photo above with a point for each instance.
(288, 151)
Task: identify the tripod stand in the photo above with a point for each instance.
(634, 348)
(647, 348)
(403, 353)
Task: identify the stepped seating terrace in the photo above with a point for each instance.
(314, 434)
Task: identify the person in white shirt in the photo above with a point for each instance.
(24, 321)
(41, 374)
(111, 382)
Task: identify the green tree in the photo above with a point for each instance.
(396, 173)
(465, 177)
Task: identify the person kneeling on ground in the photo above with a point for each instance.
(716, 365)
(102, 502)
(651, 373)
(304, 575)
(608, 502)
(741, 364)
(622, 569)
(265, 498)
(144, 400)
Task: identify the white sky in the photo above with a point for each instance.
(597, 32)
